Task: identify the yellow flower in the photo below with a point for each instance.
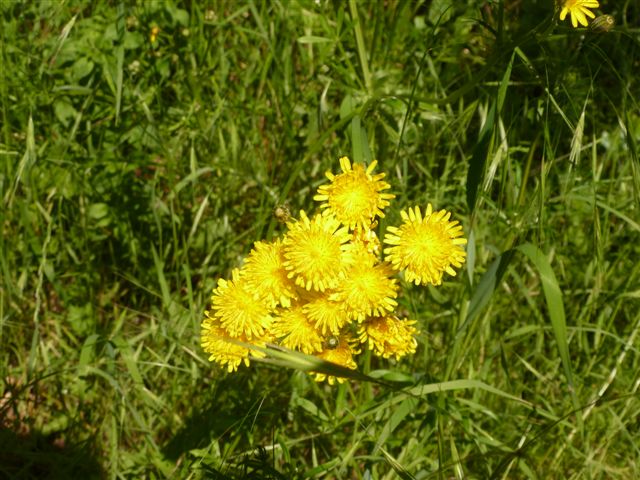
(340, 354)
(354, 196)
(327, 315)
(221, 347)
(367, 290)
(357, 253)
(266, 276)
(579, 11)
(297, 331)
(388, 336)
(367, 240)
(425, 247)
(239, 309)
(153, 36)
(313, 251)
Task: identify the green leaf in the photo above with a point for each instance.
(502, 89)
(81, 319)
(127, 356)
(398, 414)
(311, 39)
(555, 305)
(485, 288)
(81, 68)
(64, 110)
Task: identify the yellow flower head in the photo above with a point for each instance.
(425, 247)
(221, 347)
(579, 11)
(266, 276)
(354, 196)
(297, 332)
(366, 238)
(327, 315)
(388, 336)
(153, 36)
(341, 353)
(367, 290)
(358, 253)
(239, 309)
(313, 250)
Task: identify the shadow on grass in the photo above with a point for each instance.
(37, 456)
(231, 403)
(235, 406)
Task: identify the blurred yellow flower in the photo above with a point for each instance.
(341, 354)
(367, 240)
(425, 247)
(153, 36)
(221, 347)
(313, 250)
(239, 309)
(327, 315)
(297, 332)
(388, 336)
(354, 196)
(367, 290)
(266, 276)
(579, 11)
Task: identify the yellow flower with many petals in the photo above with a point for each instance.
(358, 253)
(266, 276)
(223, 349)
(579, 11)
(354, 196)
(327, 315)
(425, 247)
(389, 336)
(239, 309)
(366, 238)
(340, 354)
(297, 332)
(313, 250)
(367, 290)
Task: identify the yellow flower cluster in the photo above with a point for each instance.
(324, 288)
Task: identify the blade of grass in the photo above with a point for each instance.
(475, 174)
(162, 280)
(398, 414)
(485, 288)
(555, 305)
(362, 53)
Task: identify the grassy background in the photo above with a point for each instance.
(135, 173)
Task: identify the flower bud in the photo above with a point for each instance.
(603, 23)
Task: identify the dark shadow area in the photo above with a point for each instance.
(222, 412)
(38, 456)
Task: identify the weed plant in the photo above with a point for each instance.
(143, 148)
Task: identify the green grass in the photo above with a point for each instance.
(134, 174)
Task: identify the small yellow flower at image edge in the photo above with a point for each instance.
(579, 11)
